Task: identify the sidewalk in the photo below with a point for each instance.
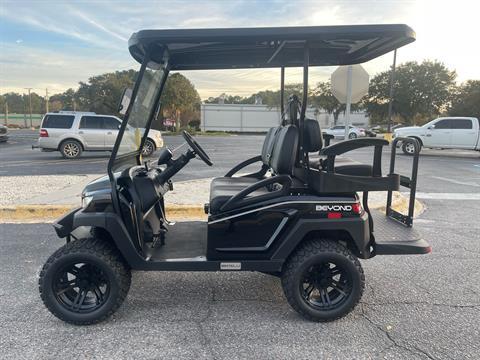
(47, 197)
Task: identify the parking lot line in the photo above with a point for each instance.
(468, 183)
(448, 196)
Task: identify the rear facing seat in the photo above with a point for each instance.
(314, 143)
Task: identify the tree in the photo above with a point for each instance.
(466, 100)
(421, 91)
(63, 101)
(102, 93)
(179, 96)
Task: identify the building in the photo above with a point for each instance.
(260, 118)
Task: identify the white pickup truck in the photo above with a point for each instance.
(443, 133)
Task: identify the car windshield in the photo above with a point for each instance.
(141, 109)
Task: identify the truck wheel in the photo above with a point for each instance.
(84, 282)
(408, 148)
(71, 149)
(148, 148)
(323, 280)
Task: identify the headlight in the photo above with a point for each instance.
(86, 200)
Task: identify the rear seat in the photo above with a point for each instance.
(314, 143)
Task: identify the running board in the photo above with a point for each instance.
(413, 247)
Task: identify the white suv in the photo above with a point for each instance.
(71, 133)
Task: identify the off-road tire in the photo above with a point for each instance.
(71, 149)
(408, 148)
(148, 148)
(309, 253)
(102, 254)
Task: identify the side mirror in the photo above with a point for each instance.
(431, 127)
(125, 102)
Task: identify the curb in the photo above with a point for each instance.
(49, 213)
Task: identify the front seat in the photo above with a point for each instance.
(282, 161)
(241, 182)
(313, 142)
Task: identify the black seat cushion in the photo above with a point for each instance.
(355, 170)
(233, 182)
(312, 135)
(284, 150)
(268, 145)
(221, 192)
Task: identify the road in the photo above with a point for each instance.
(18, 158)
(417, 307)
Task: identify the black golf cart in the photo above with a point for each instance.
(298, 217)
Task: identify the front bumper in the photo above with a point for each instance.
(64, 226)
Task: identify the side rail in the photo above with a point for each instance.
(408, 182)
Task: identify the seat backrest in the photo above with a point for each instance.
(268, 145)
(312, 135)
(284, 152)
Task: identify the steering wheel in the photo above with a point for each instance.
(196, 148)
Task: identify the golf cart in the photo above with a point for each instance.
(298, 217)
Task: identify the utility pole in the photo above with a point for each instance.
(390, 103)
(30, 103)
(46, 100)
(6, 113)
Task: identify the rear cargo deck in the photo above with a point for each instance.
(395, 238)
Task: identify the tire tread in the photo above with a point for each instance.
(107, 253)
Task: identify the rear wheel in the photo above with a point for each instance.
(84, 282)
(352, 136)
(323, 280)
(148, 148)
(71, 149)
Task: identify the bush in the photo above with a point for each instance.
(194, 124)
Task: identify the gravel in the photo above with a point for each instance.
(23, 189)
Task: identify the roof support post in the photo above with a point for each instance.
(302, 157)
(282, 94)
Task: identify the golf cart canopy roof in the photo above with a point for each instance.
(201, 49)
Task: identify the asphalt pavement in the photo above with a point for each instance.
(414, 307)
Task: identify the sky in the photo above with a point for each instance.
(56, 44)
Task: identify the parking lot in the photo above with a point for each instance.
(425, 307)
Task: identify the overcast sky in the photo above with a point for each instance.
(56, 44)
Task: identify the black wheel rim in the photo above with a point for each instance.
(325, 286)
(81, 287)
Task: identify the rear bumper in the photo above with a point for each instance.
(414, 247)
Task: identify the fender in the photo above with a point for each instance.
(357, 228)
(111, 223)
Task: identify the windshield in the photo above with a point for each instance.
(142, 108)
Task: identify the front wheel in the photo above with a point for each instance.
(84, 282)
(408, 148)
(323, 280)
(352, 136)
